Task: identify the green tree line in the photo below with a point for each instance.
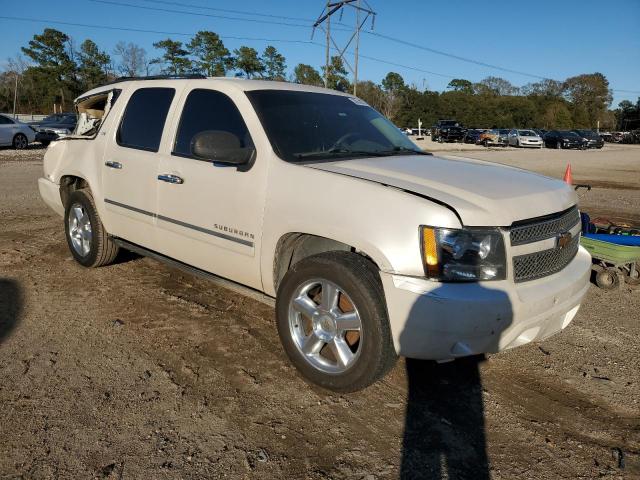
(52, 69)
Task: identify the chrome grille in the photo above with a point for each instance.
(531, 231)
(543, 263)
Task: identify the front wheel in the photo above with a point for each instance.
(332, 321)
(20, 141)
(88, 241)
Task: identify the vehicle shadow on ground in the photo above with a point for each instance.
(10, 306)
(444, 435)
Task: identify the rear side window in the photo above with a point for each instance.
(144, 117)
(5, 121)
(209, 110)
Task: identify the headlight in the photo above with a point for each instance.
(459, 255)
(63, 131)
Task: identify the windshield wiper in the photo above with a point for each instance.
(340, 152)
(402, 150)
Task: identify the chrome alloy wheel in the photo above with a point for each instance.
(79, 226)
(325, 326)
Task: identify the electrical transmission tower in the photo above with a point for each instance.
(363, 13)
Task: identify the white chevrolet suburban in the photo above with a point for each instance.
(371, 247)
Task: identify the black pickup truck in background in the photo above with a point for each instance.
(447, 131)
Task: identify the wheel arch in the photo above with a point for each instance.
(69, 184)
(293, 247)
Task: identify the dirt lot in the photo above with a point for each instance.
(139, 371)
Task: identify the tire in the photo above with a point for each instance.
(635, 278)
(486, 143)
(20, 141)
(90, 245)
(361, 296)
(607, 278)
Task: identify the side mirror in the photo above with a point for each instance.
(219, 146)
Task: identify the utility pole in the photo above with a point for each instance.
(15, 95)
(327, 56)
(355, 60)
(324, 23)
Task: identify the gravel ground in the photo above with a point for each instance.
(139, 371)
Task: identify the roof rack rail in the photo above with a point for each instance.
(158, 77)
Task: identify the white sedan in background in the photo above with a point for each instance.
(15, 133)
(524, 138)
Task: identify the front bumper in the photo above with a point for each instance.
(48, 137)
(529, 143)
(443, 321)
(50, 193)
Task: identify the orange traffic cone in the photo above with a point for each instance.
(567, 175)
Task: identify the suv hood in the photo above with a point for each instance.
(482, 193)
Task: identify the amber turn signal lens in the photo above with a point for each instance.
(430, 251)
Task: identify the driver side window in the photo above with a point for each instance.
(209, 111)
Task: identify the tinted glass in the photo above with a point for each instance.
(309, 126)
(567, 134)
(209, 110)
(5, 120)
(144, 117)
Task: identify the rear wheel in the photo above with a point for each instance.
(88, 241)
(607, 278)
(20, 141)
(332, 321)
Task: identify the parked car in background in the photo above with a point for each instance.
(54, 118)
(491, 137)
(563, 139)
(524, 138)
(473, 135)
(607, 137)
(540, 132)
(447, 131)
(592, 139)
(417, 131)
(15, 133)
(59, 128)
(504, 135)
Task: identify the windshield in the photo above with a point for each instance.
(503, 131)
(566, 134)
(587, 133)
(309, 126)
(527, 133)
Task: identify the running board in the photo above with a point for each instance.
(215, 279)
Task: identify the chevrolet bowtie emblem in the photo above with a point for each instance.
(563, 239)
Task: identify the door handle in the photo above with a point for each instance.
(167, 177)
(116, 165)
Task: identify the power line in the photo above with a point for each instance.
(470, 60)
(451, 55)
(240, 12)
(139, 30)
(196, 14)
(307, 42)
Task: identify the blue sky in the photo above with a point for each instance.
(554, 39)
